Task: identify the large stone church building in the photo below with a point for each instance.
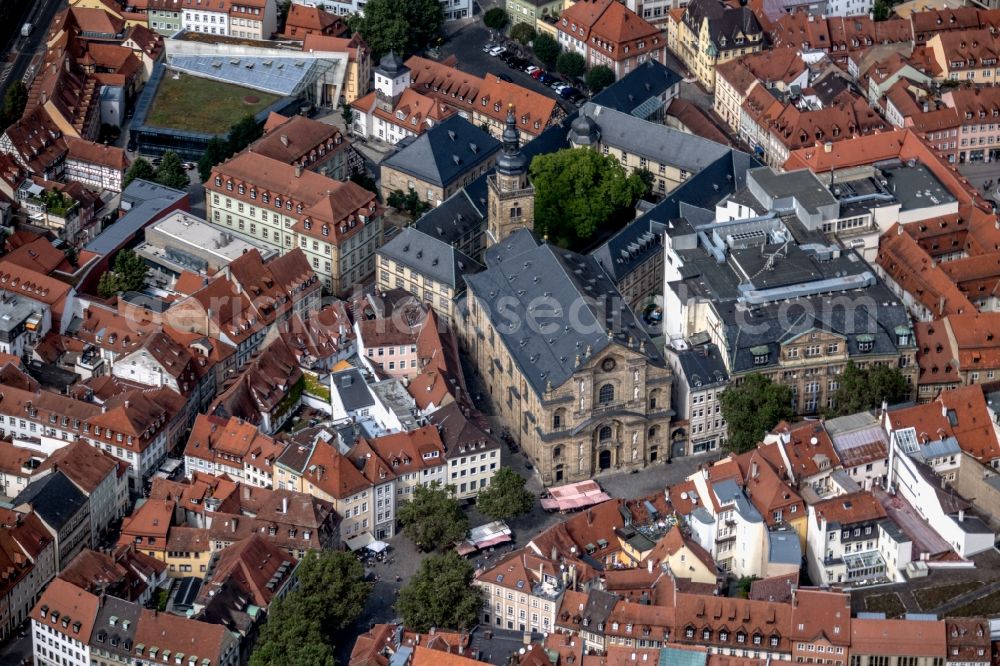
(576, 379)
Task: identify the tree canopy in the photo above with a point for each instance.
(141, 169)
(171, 172)
(403, 26)
(546, 49)
(496, 18)
(578, 191)
(505, 497)
(441, 594)
(863, 389)
(570, 64)
(523, 33)
(301, 629)
(128, 274)
(14, 101)
(752, 409)
(244, 132)
(433, 518)
(408, 201)
(599, 77)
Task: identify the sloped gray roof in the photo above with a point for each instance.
(650, 79)
(703, 366)
(431, 257)
(53, 497)
(353, 391)
(557, 304)
(657, 142)
(445, 152)
(144, 202)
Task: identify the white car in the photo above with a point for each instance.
(498, 50)
(488, 46)
(531, 70)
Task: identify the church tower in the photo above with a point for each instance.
(392, 77)
(511, 197)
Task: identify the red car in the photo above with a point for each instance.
(537, 73)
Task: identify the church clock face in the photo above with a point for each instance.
(608, 364)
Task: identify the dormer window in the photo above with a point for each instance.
(326, 230)
(242, 189)
(218, 181)
(266, 198)
(277, 202)
(229, 185)
(866, 343)
(760, 355)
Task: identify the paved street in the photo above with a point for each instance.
(15, 650)
(979, 173)
(39, 14)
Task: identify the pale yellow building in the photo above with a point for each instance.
(711, 32)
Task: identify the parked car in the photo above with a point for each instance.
(505, 77)
(531, 69)
(519, 63)
(546, 78)
(498, 50)
(577, 97)
(538, 73)
(568, 92)
(488, 46)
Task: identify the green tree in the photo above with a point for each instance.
(546, 49)
(441, 594)
(577, 191)
(599, 77)
(141, 168)
(72, 256)
(130, 270)
(243, 133)
(108, 285)
(171, 172)
(864, 389)
(505, 497)
(292, 637)
(347, 113)
(752, 409)
(403, 26)
(332, 588)
(408, 201)
(14, 101)
(496, 18)
(647, 178)
(216, 150)
(744, 584)
(882, 10)
(570, 64)
(433, 518)
(523, 33)
(364, 180)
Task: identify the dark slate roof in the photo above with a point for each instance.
(445, 153)
(630, 247)
(431, 257)
(117, 637)
(723, 21)
(353, 391)
(143, 201)
(458, 216)
(707, 187)
(873, 312)
(702, 366)
(518, 242)
(556, 305)
(650, 79)
(54, 498)
(655, 141)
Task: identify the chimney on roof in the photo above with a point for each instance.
(298, 170)
(284, 140)
(649, 564)
(284, 504)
